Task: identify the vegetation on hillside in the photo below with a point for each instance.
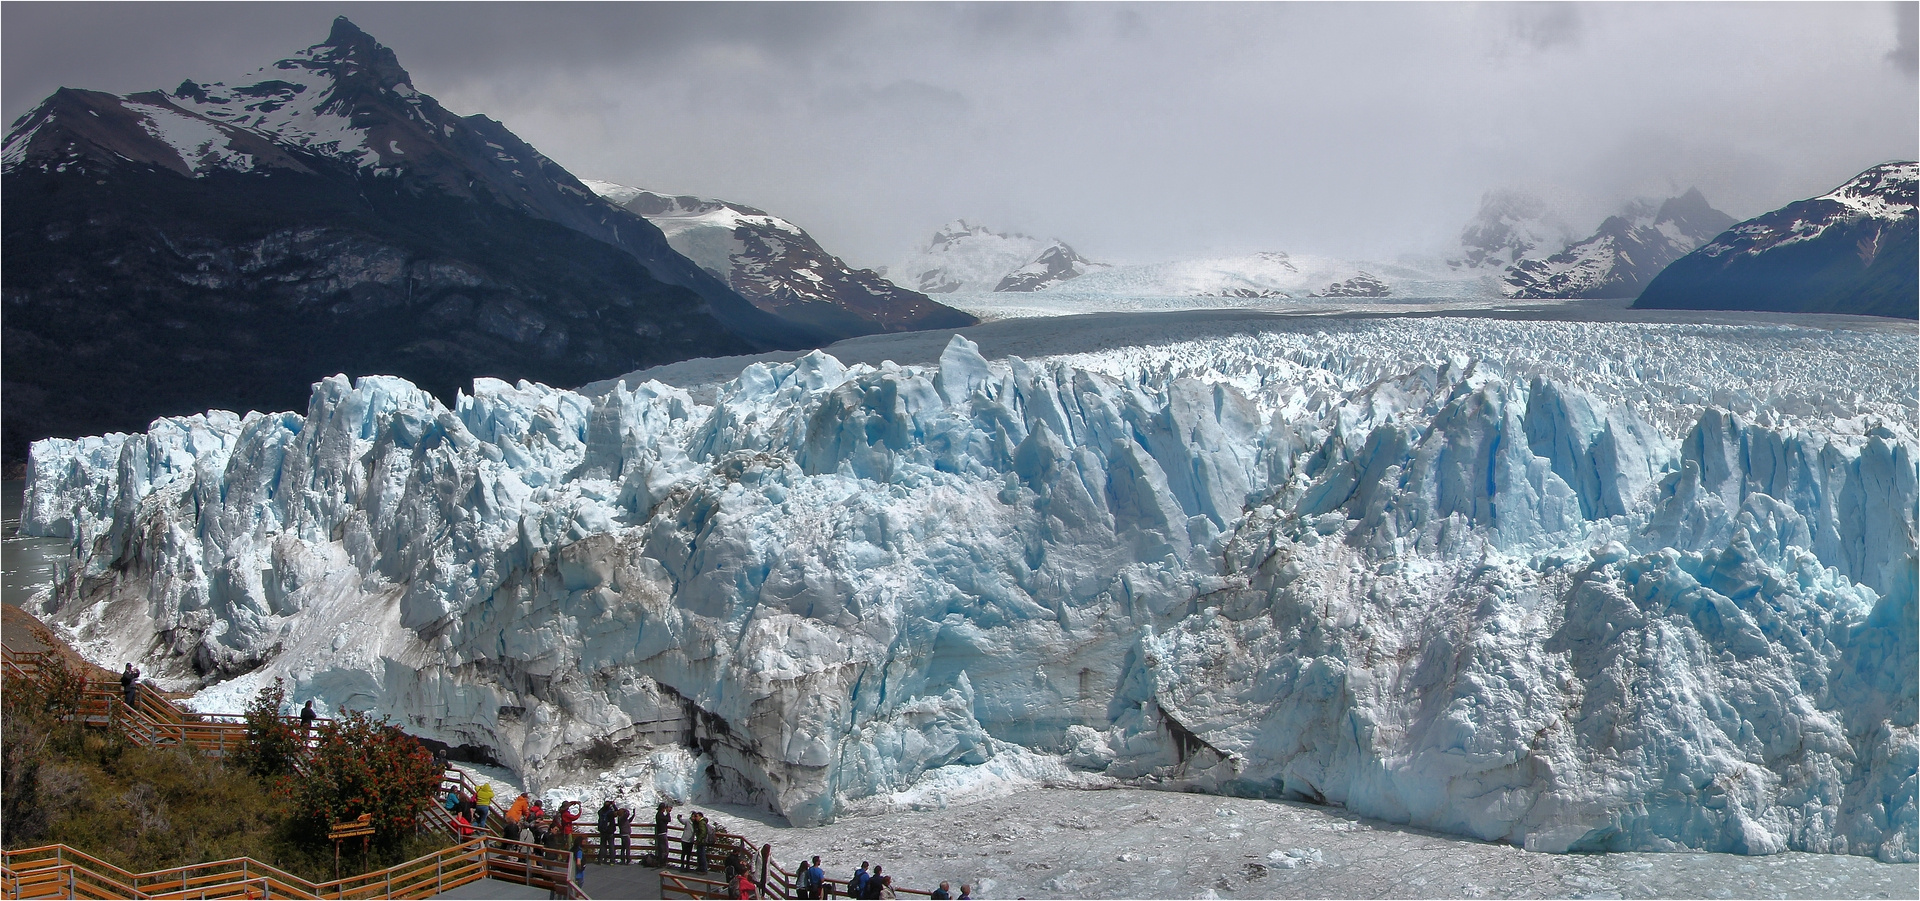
(147, 809)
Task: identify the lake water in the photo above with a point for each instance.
(27, 565)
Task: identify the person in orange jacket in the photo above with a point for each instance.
(517, 818)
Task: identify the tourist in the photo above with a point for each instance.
(873, 882)
(744, 887)
(462, 827)
(307, 716)
(605, 826)
(517, 818)
(662, 820)
(129, 685)
(966, 893)
(817, 878)
(886, 887)
(579, 860)
(943, 893)
(482, 804)
(857, 883)
(801, 878)
(537, 819)
(625, 820)
(698, 833)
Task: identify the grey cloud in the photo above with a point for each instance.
(1905, 54)
(907, 102)
(1136, 131)
(1543, 26)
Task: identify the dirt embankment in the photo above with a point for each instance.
(22, 631)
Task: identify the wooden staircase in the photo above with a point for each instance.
(60, 871)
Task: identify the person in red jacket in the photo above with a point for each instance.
(743, 886)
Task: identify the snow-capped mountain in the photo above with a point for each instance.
(1851, 250)
(780, 268)
(1511, 225)
(1623, 254)
(231, 242)
(966, 258)
(1056, 264)
(1569, 585)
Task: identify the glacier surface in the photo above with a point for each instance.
(1569, 585)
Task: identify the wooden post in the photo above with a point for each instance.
(766, 854)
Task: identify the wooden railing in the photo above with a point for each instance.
(151, 720)
(57, 871)
(685, 885)
(154, 720)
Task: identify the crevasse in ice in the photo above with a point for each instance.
(1463, 595)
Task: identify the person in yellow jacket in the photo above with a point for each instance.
(483, 804)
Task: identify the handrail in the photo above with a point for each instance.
(679, 885)
(152, 720)
(62, 871)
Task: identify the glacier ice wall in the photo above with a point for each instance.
(1548, 583)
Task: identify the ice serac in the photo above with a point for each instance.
(1546, 594)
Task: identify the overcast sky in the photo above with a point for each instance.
(1136, 132)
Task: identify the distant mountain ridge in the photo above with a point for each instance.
(1510, 226)
(1850, 250)
(1528, 250)
(1623, 254)
(226, 245)
(781, 269)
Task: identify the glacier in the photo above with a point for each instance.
(1568, 585)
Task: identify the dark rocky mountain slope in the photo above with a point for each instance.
(781, 269)
(1851, 250)
(226, 246)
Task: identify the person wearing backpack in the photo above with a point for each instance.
(703, 838)
(857, 883)
(607, 829)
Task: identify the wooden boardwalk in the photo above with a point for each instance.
(152, 719)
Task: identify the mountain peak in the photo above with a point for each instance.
(1688, 206)
(345, 34)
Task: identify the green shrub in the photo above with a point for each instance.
(146, 809)
(363, 766)
(273, 744)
